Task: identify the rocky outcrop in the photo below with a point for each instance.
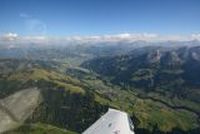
(16, 108)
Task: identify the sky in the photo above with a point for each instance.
(99, 17)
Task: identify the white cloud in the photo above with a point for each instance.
(9, 36)
(196, 36)
(12, 39)
(114, 38)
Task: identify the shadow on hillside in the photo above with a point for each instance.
(157, 131)
(174, 131)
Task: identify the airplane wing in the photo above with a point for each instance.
(112, 122)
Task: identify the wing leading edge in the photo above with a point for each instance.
(112, 122)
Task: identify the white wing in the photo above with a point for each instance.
(113, 122)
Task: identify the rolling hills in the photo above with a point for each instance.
(158, 86)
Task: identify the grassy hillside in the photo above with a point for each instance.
(73, 98)
(67, 102)
(161, 81)
(39, 128)
(148, 113)
(169, 74)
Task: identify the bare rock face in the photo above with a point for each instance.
(6, 122)
(154, 56)
(196, 56)
(16, 108)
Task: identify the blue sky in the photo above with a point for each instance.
(99, 17)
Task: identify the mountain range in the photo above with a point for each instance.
(156, 83)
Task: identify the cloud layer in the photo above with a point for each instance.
(14, 39)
